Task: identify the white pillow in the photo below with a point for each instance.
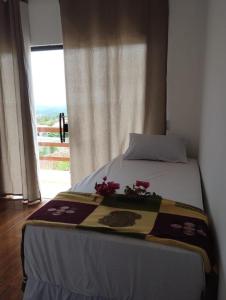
(168, 148)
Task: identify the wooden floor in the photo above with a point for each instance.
(12, 216)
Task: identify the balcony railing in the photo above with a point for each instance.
(45, 141)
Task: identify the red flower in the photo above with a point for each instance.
(106, 188)
(143, 184)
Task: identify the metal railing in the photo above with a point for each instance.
(46, 142)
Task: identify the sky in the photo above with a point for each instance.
(48, 78)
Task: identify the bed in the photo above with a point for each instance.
(66, 264)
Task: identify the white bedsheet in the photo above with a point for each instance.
(64, 264)
(176, 181)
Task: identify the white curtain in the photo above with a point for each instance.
(115, 63)
(18, 165)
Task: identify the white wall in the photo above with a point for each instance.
(213, 128)
(45, 22)
(187, 26)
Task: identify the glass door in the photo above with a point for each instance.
(51, 118)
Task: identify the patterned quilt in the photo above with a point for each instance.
(156, 220)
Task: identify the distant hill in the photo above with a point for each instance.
(50, 111)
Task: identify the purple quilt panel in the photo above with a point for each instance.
(184, 229)
(63, 211)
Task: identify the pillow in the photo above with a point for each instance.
(168, 148)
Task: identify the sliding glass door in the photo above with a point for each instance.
(51, 118)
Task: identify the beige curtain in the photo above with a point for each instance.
(18, 170)
(115, 62)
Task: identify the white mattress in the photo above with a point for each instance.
(66, 264)
(176, 181)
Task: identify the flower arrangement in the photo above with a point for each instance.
(137, 191)
(109, 187)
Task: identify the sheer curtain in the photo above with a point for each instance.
(18, 169)
(115, 63)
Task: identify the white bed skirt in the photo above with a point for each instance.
(86, 264)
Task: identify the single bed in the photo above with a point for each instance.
(66, 264)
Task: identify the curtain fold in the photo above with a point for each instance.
(115, 65)
(18, 168)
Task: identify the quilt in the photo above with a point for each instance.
(155, 220)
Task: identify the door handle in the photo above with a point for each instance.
(63, 127)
